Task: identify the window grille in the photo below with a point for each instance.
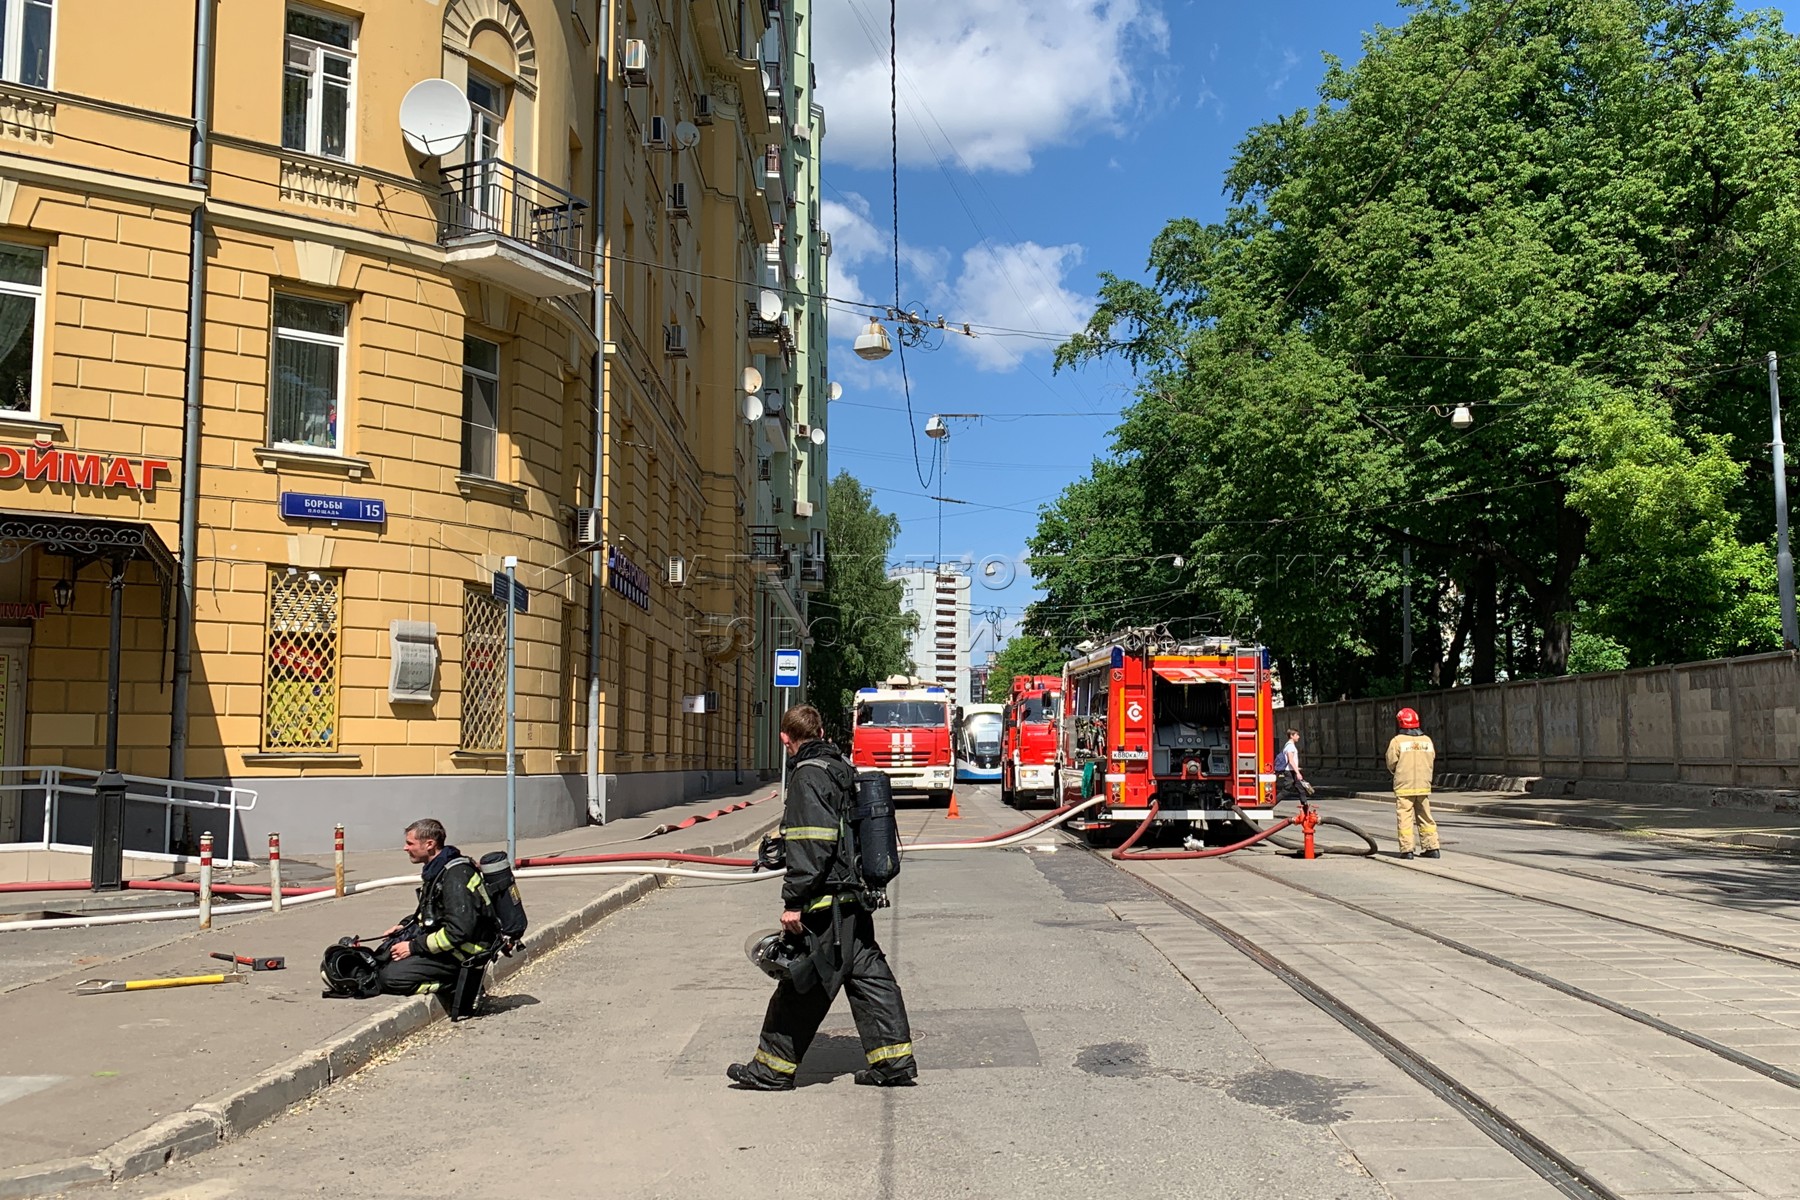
(484, 673)
(300, 680)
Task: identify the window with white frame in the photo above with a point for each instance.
(307, 392)
(481, 406)
(317, 83)
(21, 327)
(25, 41)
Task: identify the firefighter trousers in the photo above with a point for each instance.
(875, 1005)
(1407, 809)
(419, 975)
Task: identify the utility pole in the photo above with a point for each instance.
(1784, 556)
(1406, 646)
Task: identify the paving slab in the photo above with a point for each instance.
(135, 1080)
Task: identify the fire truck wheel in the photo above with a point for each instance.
(1008, 797)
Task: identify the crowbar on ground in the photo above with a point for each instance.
(101, 987)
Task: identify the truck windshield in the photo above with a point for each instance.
(900, 713)
(1033, 710)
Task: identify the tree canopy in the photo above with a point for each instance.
(860, 635)
(1578, 218)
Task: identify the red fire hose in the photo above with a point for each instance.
(1123, 853)
(156, 885)
(583, 860)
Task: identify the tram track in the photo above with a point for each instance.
(1546, 1161)
(1561, 1168)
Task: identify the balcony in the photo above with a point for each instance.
(812, 573)
(774, 181)
(765, 336)
(507, 227)
(766, 553)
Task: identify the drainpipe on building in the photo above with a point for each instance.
(596, 790)
(199, 169)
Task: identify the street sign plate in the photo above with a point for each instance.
(787, 668)
(520, 597)
(299, 506)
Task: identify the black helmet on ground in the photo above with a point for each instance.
(351, 969)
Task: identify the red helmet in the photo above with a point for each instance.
(1406, 718)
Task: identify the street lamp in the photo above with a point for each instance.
(1462, 418)
(872, 344)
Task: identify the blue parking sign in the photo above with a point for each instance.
(787, 668)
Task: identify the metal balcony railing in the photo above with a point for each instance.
(493, 196)
(765, 544)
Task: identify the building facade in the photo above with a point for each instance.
(415, 361)
(940, 640)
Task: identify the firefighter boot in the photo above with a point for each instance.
(746, 1077)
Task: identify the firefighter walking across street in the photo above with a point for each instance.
(1412, 757)
(828, 927)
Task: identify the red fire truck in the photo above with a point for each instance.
(1187, 725)
(902, 729)
(1028, 739)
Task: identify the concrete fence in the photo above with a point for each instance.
(1731, 723)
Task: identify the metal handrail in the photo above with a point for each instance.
(57, 781)
(491, 195)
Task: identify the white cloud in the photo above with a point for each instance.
(1017, 286)
(1009, 285)
(997, 80)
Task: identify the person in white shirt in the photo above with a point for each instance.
(1290, 782)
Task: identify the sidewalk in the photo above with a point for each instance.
(1651, 813)
(104, 1088)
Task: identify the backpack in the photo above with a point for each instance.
(870, 812)
(503, 892)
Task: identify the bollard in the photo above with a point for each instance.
(274, 872)
(206, 881)
(338, 860)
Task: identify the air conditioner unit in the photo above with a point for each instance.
(703, 109)
(825, 244)
(584, 528)
(675, 341)
(802, 432)
(802, 131)
(634, 68)
(678, 200)
(803, 508)
(656, 134)
(677, 571)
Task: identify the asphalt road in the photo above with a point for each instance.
(1062, 1056)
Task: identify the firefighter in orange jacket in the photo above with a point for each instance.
(1412, 758)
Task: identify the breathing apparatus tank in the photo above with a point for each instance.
(877, 833)
(503, 892)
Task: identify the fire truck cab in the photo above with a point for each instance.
(903, 729)
(1188, 726)
(1029, 742)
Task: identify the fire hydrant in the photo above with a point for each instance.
(1308, 820)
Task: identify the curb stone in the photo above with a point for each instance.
(232, 1114)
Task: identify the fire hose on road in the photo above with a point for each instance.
(533, 868)
(1308, 819)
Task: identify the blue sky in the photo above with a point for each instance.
(1041, 142)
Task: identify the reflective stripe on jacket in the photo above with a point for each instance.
(455, 918)
(1412, 759)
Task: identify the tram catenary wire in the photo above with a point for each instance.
(1546, 1161)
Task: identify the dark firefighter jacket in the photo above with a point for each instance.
(454, 919)
(821, 841)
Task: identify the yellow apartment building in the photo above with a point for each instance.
(405, 375)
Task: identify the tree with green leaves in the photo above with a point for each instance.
(1572, 220)
(1023, 654)
(860, 636)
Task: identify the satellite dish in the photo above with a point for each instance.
(435, 117)
(818, 436)
(687, 135)
(768, 306)
(753, 409)
(836, 392)
(752, 380)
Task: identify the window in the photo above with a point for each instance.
(307, 396)
(21, 327)
(25, 42)
(300, 663)
(317, 84)
(483, 673)
(488, 148)
(481, 406)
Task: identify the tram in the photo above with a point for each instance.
(978, 743)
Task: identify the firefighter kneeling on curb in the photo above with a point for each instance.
(824, 906)
(453, 923)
